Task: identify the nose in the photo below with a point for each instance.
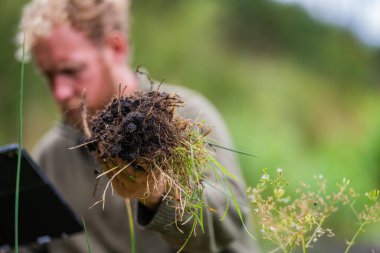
(62, 88)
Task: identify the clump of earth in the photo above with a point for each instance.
(144, 131)
(143, 125)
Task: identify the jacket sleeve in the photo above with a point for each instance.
(228, 235)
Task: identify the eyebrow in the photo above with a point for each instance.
(63, 66)
(71, 65)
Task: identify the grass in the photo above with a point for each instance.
(17, 192)
(87, 237)
(131, 226)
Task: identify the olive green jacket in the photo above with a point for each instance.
(72, 173)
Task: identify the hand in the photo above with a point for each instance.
(130, 182)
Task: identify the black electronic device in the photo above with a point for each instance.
(43, 213)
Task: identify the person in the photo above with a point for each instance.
(82, 49)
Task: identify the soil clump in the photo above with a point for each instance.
(141, 126)
(144, 130)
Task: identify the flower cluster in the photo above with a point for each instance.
(299, 222)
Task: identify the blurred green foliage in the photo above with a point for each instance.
(301, 95)
(37, 115)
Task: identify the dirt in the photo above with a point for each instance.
(143, 125)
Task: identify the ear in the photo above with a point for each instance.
(118, 46)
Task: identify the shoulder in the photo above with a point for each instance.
(195, 104)
(57, 140)
(198, 107)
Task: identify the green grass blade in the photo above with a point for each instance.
(224, 182)
(201, 220)
(131, 226)
(239, 212)
(224, 170)
(86, 235)
(224, 191)
(193, 163)
(189, 236)
(17, 192)
(229, 149)
(226, 210)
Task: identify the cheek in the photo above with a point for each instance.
(99, 89)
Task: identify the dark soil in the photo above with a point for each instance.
(140, 126)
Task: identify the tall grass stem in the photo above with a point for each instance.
(131, 226)
(17, 192)
(352, 242)
(87, 237)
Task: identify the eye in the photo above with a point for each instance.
(49, 75)
(72, 71)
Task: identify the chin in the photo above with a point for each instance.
(73, 118)
(75, 123)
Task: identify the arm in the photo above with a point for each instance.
(218, 235)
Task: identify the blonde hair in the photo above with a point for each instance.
(93, 17)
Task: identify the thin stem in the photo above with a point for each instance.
(192, 231)
(131, 226)
(278, 242)
(275, 250)
(293, 241)
(303, 243)
(17, 193)
(315, 231)
(87, 238)
(352, 241)
(354, 210)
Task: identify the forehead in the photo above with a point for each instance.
(64, 43)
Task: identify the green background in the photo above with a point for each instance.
(301, 95)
